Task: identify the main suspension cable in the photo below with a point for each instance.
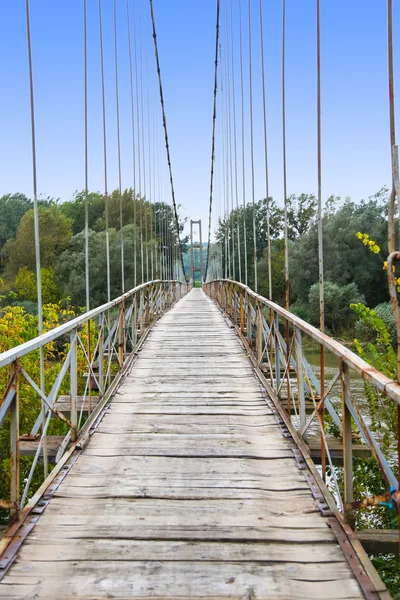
(166, 136)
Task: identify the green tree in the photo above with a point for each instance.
(338, 314)
(26, 288)
(12, 209)
(75, 211)
(55, 234)
(345, 259)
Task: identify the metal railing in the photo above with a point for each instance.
(93, 352)
(273, 337)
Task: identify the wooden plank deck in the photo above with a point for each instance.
(186, 490)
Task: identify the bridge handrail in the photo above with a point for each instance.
(13, 354)
(385, 384)
(276, 356)
(119, 334)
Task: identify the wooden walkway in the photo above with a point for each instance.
(187, 489)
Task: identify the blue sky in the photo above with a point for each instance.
(356, 154)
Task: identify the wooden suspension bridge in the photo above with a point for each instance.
(188, 480)
(193, 459)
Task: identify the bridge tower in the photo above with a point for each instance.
(196, 246)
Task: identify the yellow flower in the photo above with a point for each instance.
(375, 249)
(359, 235)
(385, 265)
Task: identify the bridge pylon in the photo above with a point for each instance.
(196, 246)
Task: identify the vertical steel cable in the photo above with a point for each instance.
(103, 99)
(391, 214)
(392, 127)
(224, 181)
(143, 148)
(155, 159)
(139, 154)
(235, 145)
(119, 148)
(229, 145)
(320, 243)
(320, 233)
(213, 135)
(265, 154)
(166, 137)
(284, 154)
(243, 144)
(36, 228)
(252, 148)
(149, 153)
(133, 140)
(86, 154)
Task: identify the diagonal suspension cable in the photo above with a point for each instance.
(166, 136)
(213, 135)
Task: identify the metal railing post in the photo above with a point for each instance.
(277, 355)
(347, 437)
(14, 447)
(100, 354)
(241, 305)
(248, 319)
(121, 312)
(74, 383)
(300, 379)
(259, 332)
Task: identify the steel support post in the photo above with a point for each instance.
(347, 436)
(259, 332)
(121, 334)
(277, 355)
(241, 311)
(248, 319)
(100, 354)
(14, 447)
(73, 391)
(300, 379)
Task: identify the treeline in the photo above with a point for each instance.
(148, 228)
(352, 272)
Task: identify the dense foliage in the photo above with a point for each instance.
(62, 253)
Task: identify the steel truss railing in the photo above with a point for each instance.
(118, 328)
(289, 378)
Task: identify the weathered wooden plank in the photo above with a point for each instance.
(211, 532)
(187, 579)
(252, 510)
(105, 549)
(182, 492)
(213, 468)
(130, 409)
